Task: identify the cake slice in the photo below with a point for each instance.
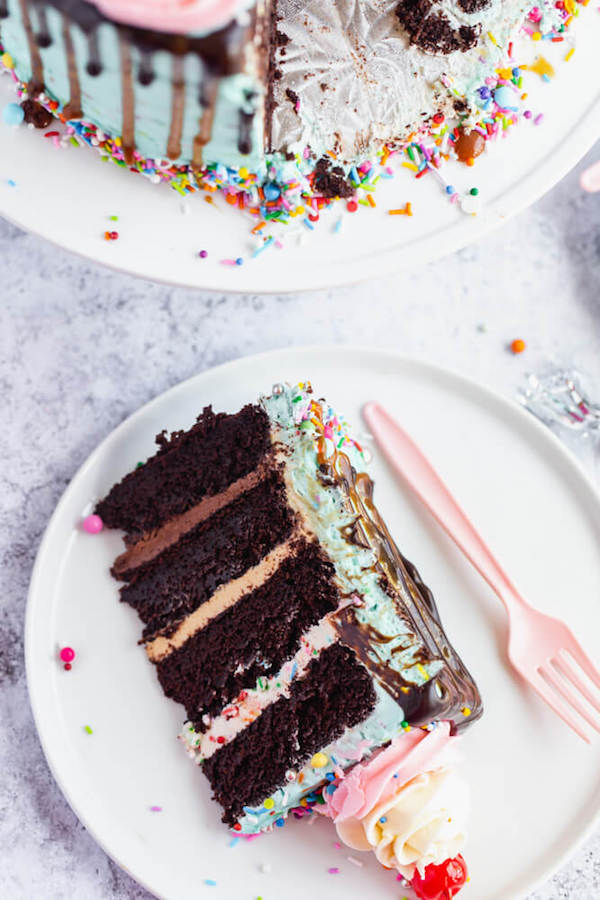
(305, 649)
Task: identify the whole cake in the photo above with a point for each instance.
(243, 93)
(305, 649)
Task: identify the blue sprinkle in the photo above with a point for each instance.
(330, 776)
(272, 192)
(13, 114)
(11, 182)
(484, 93)
(331, 789)
(450, 189)
(516, 72)
(280, 823)
(396, 775)
(337, 226)
(309, 224)
(239, 261)
(234, 841)
(294, 670)
(210, 882)
(383, 820)
(545, 78)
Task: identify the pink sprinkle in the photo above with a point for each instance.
(228, 262)
(156, 809)
(67, 654)
(539, 119)
(333, 871)
(337, 845)
(93, 524)
(354, 861)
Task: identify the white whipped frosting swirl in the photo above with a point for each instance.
(424, 823)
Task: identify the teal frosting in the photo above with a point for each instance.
(101, 94)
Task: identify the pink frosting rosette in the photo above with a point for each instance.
(173, 16)
(407, 805)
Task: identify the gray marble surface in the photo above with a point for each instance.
(81, 348)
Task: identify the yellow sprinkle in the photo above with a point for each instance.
(304, 802)
(118, 141)
(319, 760)
(536, 36)
(411, 166)
(569, 54)
(269, 803)
(492, 38)
(7, 60)
(405, 690)
(243, 172)
(505, 73)
(423, 671)
(542, 67)
(466, 711)
(300, 210)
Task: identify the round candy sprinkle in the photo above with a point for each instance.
(203, 254)
(351, 205)
(269, 803)
(67, 654)
(272, 192)
(239, 261)
(518, 346)
(280, 823)
(450, 189)
(474, 192)
(319, 760)
(7, 61)
(237, 827)
(68, 667)
(13, 114)
(93, 524)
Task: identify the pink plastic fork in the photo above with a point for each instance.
(542, 649)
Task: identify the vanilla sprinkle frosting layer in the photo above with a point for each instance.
(251, 702)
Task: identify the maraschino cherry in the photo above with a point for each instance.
(440, 882)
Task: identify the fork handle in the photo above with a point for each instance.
(408, 461)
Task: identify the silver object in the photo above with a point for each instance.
(559, 399)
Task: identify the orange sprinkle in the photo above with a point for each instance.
(518, 346)
(258, 227)
(370, 200)
(231, 199)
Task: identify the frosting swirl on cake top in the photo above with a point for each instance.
(174, 16)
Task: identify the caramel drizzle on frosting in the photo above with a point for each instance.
(226, 596)
(451, 689)
(153, 543)
(37, 67)
(73, 108)
(128, 101)
(209, 103)
(177, 109)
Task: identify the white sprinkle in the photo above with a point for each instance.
(355, 862)
(265, 868)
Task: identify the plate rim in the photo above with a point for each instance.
(555, 163)
(464, 382)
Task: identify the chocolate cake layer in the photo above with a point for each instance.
(252, 638)
(220, 549)
(188, 466)
(336, 693)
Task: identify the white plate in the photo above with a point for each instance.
(67, 197)
(535, 785)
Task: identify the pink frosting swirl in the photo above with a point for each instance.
(366, 785)
(174, 16)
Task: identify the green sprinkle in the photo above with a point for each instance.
(87, 729)
(114, 218)
(474, 192)
(139, 465)
(295, 399)
(74, 142)
(404, 724)
(341, 443)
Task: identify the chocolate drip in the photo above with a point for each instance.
(177, 109)
(146, 74)
(36, 84)
(93, 66)
(208, 100)
(44, 38)
(245, 132)
(3, 9)
(444, 695)
(128, 102)
(73, 108)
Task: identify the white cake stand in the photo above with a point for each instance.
(67, 197)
